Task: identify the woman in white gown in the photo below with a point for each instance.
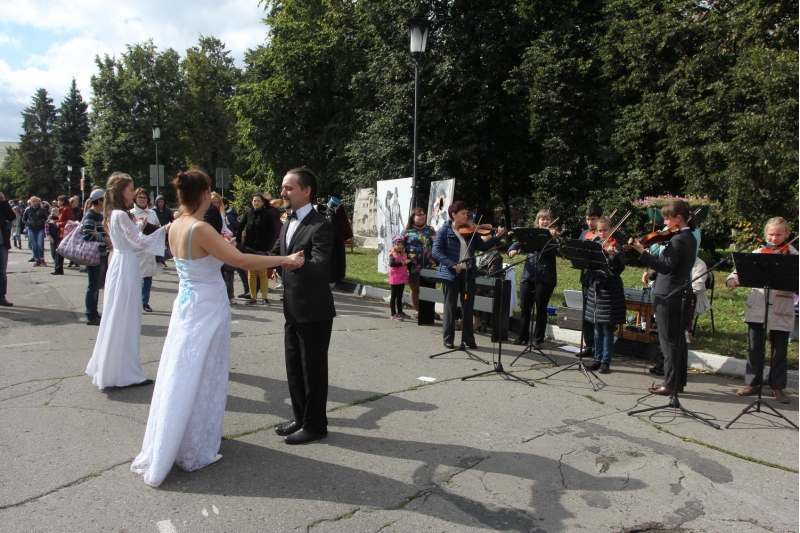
(115, 360)
(184, 426)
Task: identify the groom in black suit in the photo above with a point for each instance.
(307, 307)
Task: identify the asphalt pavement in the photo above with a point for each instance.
(402, 455)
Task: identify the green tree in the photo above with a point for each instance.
(36, 151)
(207, 123)
(143, 86)
(13, 180)
(70, 133)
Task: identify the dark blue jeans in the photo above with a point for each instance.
(96, 275)
(604, 342)
(147, 284)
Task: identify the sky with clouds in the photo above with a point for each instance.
(46, 43)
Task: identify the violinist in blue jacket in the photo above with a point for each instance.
(450, 248)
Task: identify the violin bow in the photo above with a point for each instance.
(614, 212)
(553, 222)
(793, 240)
(621, 222)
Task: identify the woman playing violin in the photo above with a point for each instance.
(780, 319)
(450, 249)
(671, 270)
(537, 283)
(605, 298)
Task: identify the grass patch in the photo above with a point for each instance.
(718, 449)
(729, 339)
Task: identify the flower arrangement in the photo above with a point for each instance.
(660, 201)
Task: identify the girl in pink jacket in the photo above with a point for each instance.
(398, 276)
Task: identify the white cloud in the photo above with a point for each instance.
(82, 29)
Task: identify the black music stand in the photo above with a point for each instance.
(467, 270)
(534, 241)
(500, 323)
(680, 370)
(586, 256)
(770, 272)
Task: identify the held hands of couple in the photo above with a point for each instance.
(294, 261)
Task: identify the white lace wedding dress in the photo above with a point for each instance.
(185, 422)
(115, 359)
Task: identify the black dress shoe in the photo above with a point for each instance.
(471, 345)
(587, 352)
(304, 436)
(5, 303)
(147, 308)
(93, 321)
(57, 273)
(143, 383)
(519, 342)
(594, 365)
(605, 368)
(449, 346)
(287, 429)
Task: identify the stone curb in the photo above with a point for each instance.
(708, 362)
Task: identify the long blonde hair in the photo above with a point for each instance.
(221, 207)
(114, 199)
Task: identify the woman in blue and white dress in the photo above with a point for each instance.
(184, 426)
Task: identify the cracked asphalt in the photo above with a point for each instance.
(401, 456)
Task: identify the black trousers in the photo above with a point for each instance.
(777, 369)
(307, 372)
(58, 259)
(537, 293)
(396, 299)
(453, 292)
(672, 338)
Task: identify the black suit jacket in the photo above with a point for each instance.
(307, 294)
(6, 215)
(674, 265)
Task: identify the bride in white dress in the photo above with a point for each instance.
(115, 359)
(184, 426)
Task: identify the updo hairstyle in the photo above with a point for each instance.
(191, 184)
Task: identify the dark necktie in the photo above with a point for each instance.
(292, 216)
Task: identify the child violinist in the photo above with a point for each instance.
(398, 276)
(671, 270)
(537, 284)
(605, 297)
(780, 319)
(592, 215)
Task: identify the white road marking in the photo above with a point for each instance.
(24, 344)
(204, 513)
(165, 526)
(214, 508)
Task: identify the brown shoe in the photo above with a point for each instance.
(661, 391)
(780, 396)
(748, 391)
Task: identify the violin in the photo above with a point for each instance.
(655, 237)
(779, 249)
(476, 229)
(611, 247)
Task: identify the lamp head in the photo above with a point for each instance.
(156, 131)
(69, 167)
(418, 28)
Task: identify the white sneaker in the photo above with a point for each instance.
(279, 286)
(233, 301)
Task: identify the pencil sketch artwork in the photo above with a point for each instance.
(394, 206)
(365, 218)
(441, 196)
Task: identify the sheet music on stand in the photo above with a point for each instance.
(758, 271)
(588, 256)
(535, 240)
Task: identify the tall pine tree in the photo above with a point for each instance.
(69, 135)
(36, 149)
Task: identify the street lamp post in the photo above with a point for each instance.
(69, 180)
(156, 137)
(417, 28)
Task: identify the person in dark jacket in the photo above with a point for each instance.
(165, 216)
(255, 232)
(35, 217)
(537, 284)
(6, 216)
(93, 230)
(605, 298)
(450, 249)
(672, 269)
(232, 218)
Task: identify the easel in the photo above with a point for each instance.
(587, 256)
(534, 241)
(770, 272)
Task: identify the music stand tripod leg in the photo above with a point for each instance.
(529, 348)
